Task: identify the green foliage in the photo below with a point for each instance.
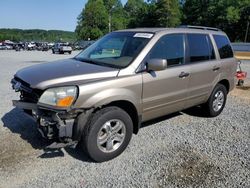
(36, 35)
(160, 13)
(134, 10)
(167, 13)
(118, 17)
(227, 15)
(93, 20)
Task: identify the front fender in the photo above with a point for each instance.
(110, 95)
(102, 93)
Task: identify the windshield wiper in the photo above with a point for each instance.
(87, 60)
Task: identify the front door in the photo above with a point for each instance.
(166, 91)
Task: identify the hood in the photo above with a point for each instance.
(64, 72)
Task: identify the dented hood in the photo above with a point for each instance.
(64, 72)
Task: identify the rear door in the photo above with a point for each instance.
(204, 68)
(166, 91)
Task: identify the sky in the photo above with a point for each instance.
(41, 14)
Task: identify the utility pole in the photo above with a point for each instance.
(109, 21)
(246, 31)
(110, 12)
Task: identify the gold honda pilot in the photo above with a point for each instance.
(99, 98)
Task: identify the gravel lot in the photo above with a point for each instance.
(183, 149)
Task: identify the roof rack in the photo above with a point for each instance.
(199, 27)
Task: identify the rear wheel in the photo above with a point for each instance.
(216, 101)
(107, 134)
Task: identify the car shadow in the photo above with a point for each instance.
(159, 119)
(196, 111)
(20, 123)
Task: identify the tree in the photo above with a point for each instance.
(116, 13)
(135, 11)
(93, 20)
(224, 14)
(37, 35)
(167, 13)
(155, 13)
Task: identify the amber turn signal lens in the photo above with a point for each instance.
(65, 102)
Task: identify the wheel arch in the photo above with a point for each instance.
(129, 108)
(226, 83)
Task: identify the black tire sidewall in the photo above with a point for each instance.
(218, 87)
(97, 122)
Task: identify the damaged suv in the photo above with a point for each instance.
(99, 98)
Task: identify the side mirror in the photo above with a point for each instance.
(156, 64)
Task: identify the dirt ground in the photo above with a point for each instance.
(242, 91)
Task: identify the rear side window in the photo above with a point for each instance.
(224, 47)
(200, 48)
(170, 47)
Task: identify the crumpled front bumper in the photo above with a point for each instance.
(52, 123)
(24, 105)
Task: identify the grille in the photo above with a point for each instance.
(27, 94)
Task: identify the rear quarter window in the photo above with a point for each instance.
(224, 47)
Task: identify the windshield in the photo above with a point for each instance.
(116, 49)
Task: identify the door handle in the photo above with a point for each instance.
(216, 68)
(184, 75)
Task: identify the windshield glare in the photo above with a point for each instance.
(116, 49)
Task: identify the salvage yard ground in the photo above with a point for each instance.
(183, 149)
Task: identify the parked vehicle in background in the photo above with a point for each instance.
(61, 48)
(81, 45)
(3, 47)
(31, 46)
(241, 50)
(100, 98)
(45, 48)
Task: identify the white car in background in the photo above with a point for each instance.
(62, 48)
(5, 47)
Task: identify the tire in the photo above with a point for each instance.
(216, 101)
(99, 128)
(69, 52)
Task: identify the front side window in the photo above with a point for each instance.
(224, 47)
(200, 48)
(116, 49)
(170, 47)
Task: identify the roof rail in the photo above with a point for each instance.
(199, 27)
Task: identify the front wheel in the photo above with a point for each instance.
(216, 101)
(107, 134)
